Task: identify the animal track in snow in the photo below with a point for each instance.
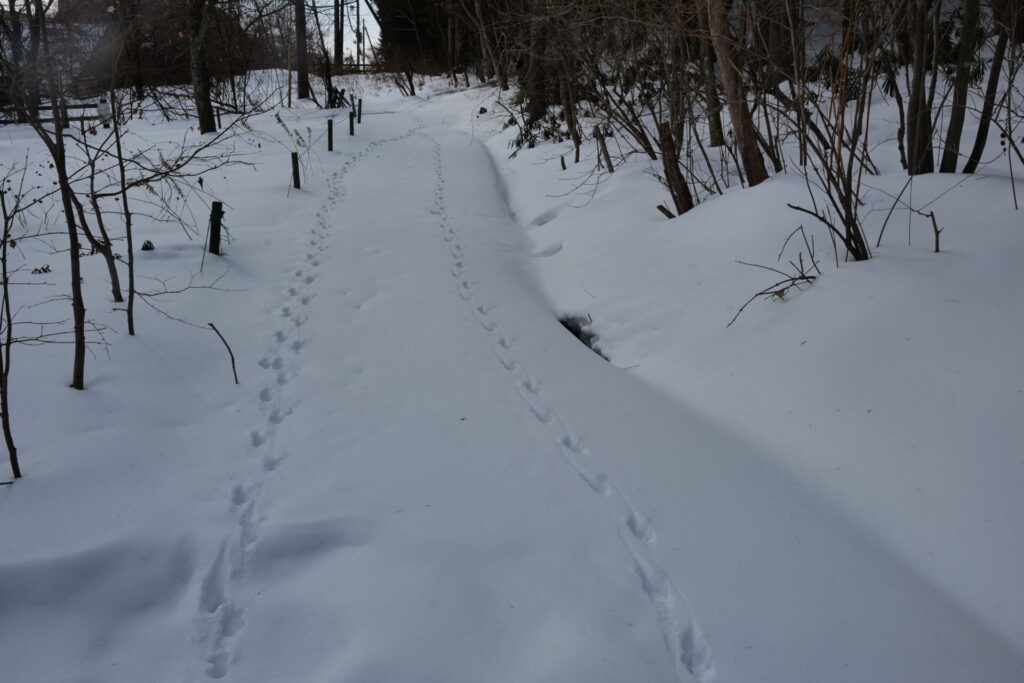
(686, 643)
(212, 590)
(640, 527)
(531, 385)
(239, 495)
(572, 444)
(506, 360)
(539, 410)
(222, 596)
(549, 250)
(271, 463)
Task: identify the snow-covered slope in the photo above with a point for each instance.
(423, 477)
(892, 388)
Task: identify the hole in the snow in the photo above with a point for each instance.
(579, 326)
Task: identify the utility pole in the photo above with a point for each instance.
(339, 37)
(359, 37)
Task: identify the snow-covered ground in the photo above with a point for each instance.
(423, 476)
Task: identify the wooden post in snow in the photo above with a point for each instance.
(296, 183)
(330, 135)
(216, 214)
(603, 149)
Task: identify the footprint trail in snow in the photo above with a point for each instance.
(222, 596)
(684, 638)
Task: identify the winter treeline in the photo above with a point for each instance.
(674, 80)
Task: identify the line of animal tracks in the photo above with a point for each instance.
(223, 600)
(683, 635)
(236, 580)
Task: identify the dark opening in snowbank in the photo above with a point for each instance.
(579, 326)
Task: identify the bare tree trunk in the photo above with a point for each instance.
(968, 38)
(990, 100)
(535, 83)
(8, 339)
(486, 46)
(732, 81)
(24, 87)
(123, 179)
(569, 107)
(714, 103)
(325, 65)
(57, 152)
(77, 300)
(200, 66)
(101, 246)
(919, 118)
(677, 186)
(129, 30)
(301, 52)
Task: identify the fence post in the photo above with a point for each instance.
(359, 116)
(216, 214)
(330, 135)
(603, 149)
(103, 109)
(352, 122)
(295, 171)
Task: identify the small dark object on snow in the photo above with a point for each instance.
(483, 110)
(147, 246)
(41, 270)
(579, 327)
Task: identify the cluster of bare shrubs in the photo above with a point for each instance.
(713, 90)
(81, 197)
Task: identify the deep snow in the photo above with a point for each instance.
(424, 477)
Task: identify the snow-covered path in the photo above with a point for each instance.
(430, 480)
(464, 516)
(535, 514)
